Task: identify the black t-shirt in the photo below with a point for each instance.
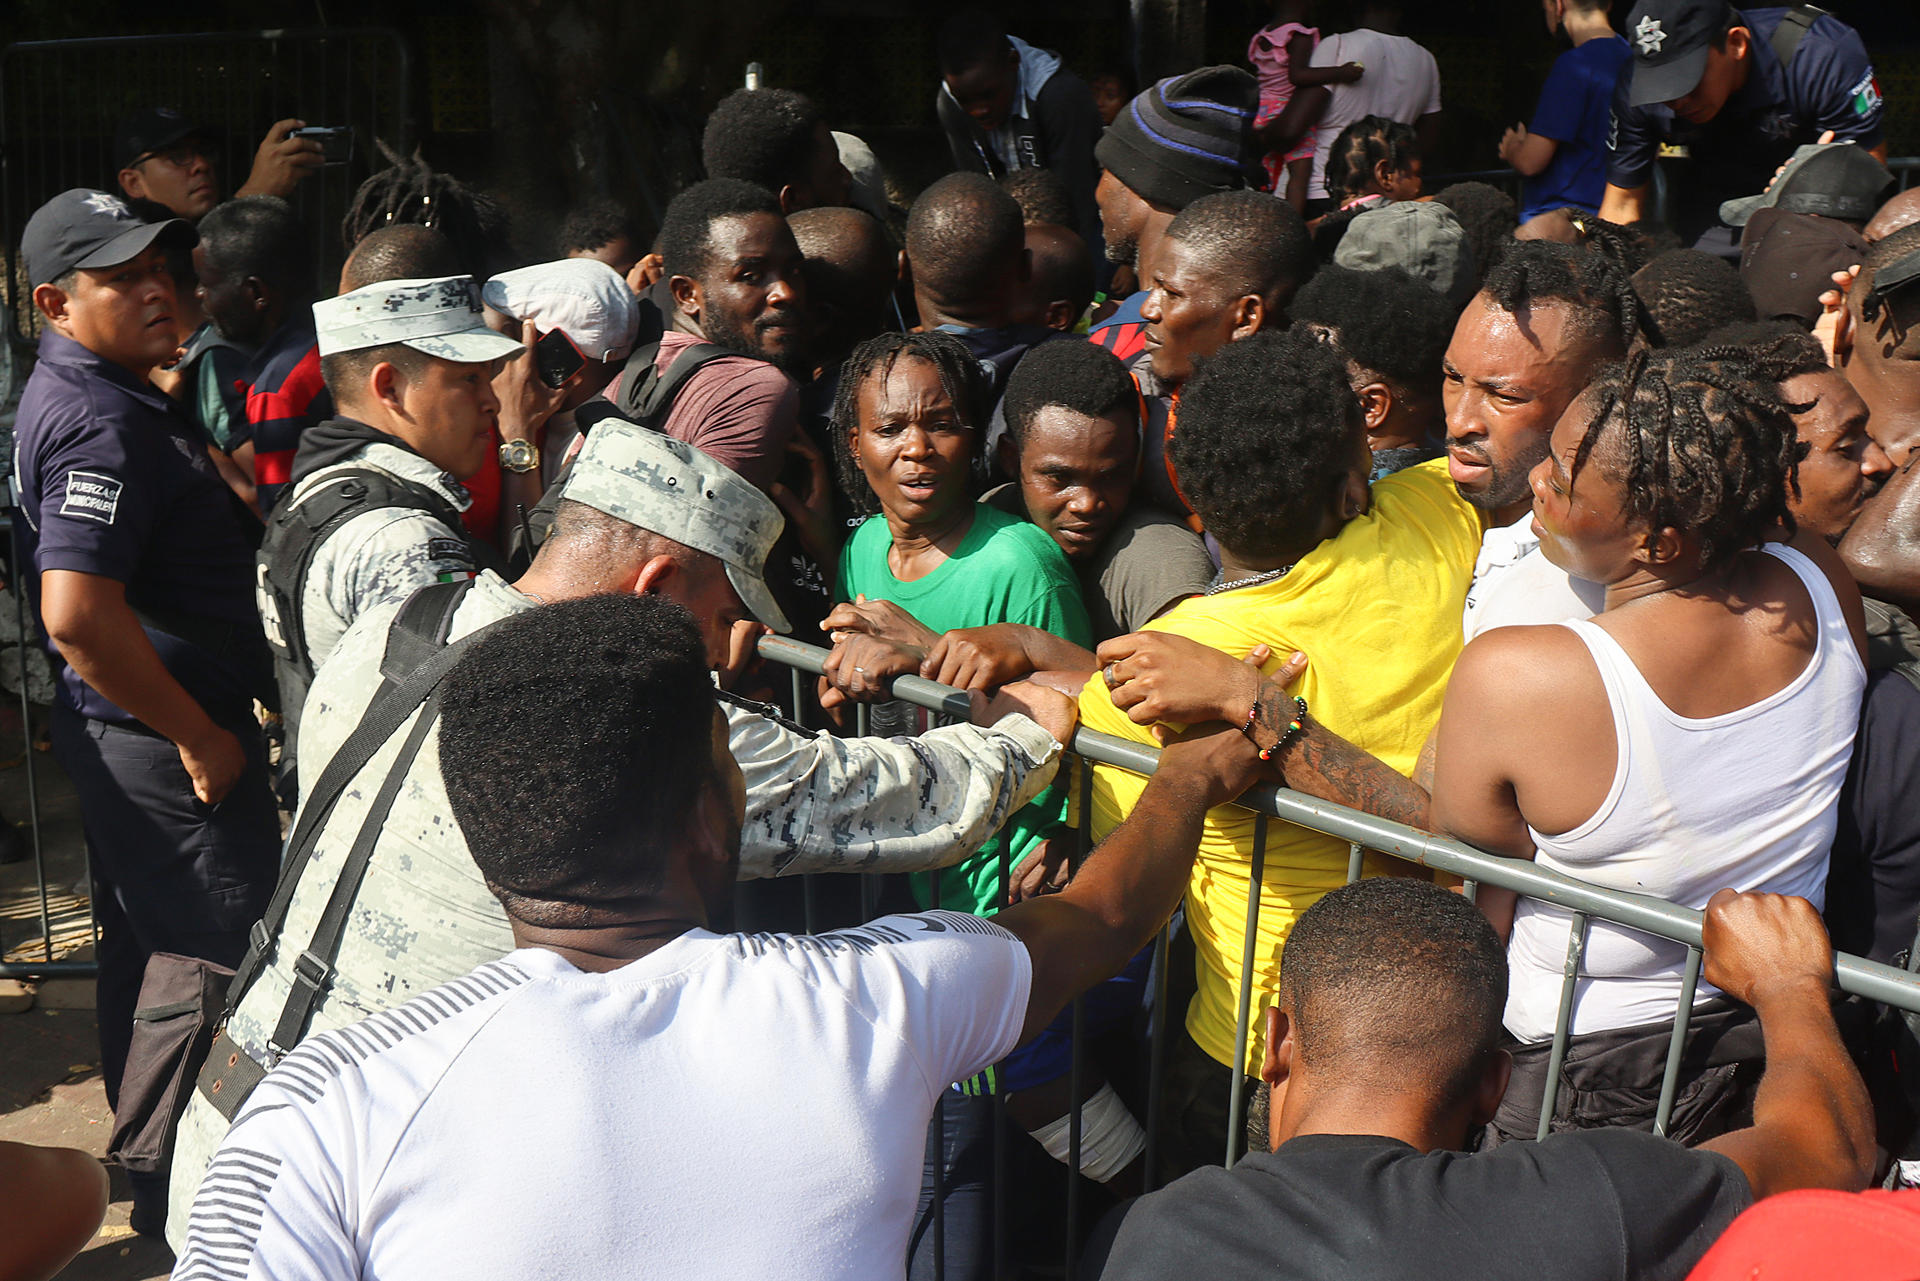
(1605, 1204)
(1873, 889)
(1829, 84)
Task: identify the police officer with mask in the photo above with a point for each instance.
(142, 576)
(1733, 91)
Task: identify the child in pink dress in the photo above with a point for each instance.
(1280, 54)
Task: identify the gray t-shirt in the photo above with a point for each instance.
(1149, 561)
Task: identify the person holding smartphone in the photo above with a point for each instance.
(576, 321)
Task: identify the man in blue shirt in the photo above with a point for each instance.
(1735, 91)
(142, 578)
(1564, 153)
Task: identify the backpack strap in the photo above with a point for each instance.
(420, 628)
(1793, 28)
(652, 398)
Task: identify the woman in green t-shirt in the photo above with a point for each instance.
(908, 427)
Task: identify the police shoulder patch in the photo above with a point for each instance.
(92, 495)
(1866, 95)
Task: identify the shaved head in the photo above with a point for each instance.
(1902, 211)
(851, 269)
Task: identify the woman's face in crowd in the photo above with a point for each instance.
(1583, 526)
(912, 444)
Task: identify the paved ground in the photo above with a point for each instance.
(50, 1090)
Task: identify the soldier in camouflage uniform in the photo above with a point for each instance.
(409, 364)
(641, 512)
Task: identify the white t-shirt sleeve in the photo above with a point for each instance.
(271, 1205)
(962, 991)
(1433, 79)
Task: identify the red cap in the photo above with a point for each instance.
(1864, 1236)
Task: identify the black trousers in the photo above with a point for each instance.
(170, 874)
(1613, 1078)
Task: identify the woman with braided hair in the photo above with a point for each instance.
(1692, 736)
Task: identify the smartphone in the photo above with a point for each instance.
(556, 359)
(336, 141)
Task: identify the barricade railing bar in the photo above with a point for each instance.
(1856, 976)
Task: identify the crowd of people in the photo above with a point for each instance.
(406, 629)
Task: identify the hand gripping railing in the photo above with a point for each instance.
(1363, 832)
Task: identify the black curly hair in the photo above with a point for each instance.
(555, 831)
(1384, 320)
(1488, 216)
(960, 375)
(1268, 431)
(686, 233)
(1041, 194)
(1687, 294)
(1082, 376)
(1596, 293)
(764, 136)
(410, 191)
(1362, 145)
(1700, 440)
(597, 223)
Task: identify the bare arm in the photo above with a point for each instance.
(1624, 204)
(1170, 678)
(1812, 1121)
(1130, 885)
(526, 405)
(237, 470)
(1882, 550)
(97, 632)
(1530, 153)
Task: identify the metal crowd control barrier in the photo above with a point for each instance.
(1363, 832)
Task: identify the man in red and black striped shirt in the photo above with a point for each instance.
(256, 283)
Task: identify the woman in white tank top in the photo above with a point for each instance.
(1695, 734)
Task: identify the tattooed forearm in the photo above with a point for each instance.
(1321, 763)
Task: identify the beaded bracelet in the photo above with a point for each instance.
(1294, 729)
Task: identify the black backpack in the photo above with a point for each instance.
(295, 533)
(643, 396)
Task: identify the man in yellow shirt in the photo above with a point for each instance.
(1271, 450)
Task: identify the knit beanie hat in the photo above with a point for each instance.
(1186, 137)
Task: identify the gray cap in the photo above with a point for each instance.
(1840, 180)
(439, 317)
(667, 487)
(1420, 237)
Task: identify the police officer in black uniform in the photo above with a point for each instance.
(143, 582)
(1732, 92)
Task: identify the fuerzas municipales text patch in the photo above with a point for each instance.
(93, 495)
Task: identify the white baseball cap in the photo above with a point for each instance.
(582, 297)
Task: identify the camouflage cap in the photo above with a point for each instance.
(439, 317)
(666, 486)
